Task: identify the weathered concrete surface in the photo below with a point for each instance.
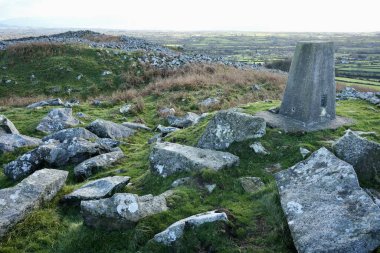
(176, 230)
(109, 129)
(231, 126)
(49, 102)
(18, 201)
(310, 92)
(6, 126)
(121, 211)
(97, 189)
(57, 119)
(89, 167)
(10, 142)
(326, 209)
(363, 154)
(71, 133)
(168, 158)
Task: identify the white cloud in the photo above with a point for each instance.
(269, 15)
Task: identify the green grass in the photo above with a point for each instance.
(257, 223)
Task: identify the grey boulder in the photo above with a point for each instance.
(108, 129)
(18, 201)
(136, 126)
(49, 102)
(10, 142)
(227, 127)
(121, 211)
(167, 130)
(168, 158)
(251, 184)
(258, 148)
(88, 167)
(71, 133)
(97, 189)
(6, 126)
(363, 154)
(57, 119)
(176, 230)
(189, 119)
(325, 207)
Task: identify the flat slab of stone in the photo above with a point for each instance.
(109, 129)
(176, 230)
(91, 166)
(6, 126)
(168, 158)
(71, 133)
(18, 201)
(325, 207)
(187, 120)
(290, 125)
(49, 102)
(97, 189)
(230, 126)
(57, 119)
(10, 142)
(121, 211)
(136, 126)
(361, 153)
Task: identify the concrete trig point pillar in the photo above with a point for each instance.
(310, 92)
(309, 99)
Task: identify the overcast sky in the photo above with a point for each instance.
(253, 15)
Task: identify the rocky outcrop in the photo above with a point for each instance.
(251, 184)
(89, 167)
(49, 102)
(6, 126)
(363, 154)
(325, 207)
(176, 230)
(231, 126)
(57, 119)
(71, 133)
(10, 142)
(52, 154)
(97, 189)
(349, 92)
(18, 201)
(108, 129)
(168, 158)
(189, 119)
(121, 211)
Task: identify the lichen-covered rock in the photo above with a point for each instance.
(71, 133)
(168, 158)
(89, 167)
(251, 184)
(121, 211)
(6, 126)
(230, 126)
(108, 144)
(57, 119)
(167, 130)
(49, 102)
(18, 201)
(125, 108)
(189, 119)
(108, 129)
(176, 230)
(136, 126)
(97, 189)
(10, 142)
(258, 148)
(325, 207)
(53, 154)
(363, 154)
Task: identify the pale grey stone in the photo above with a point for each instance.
(167, 130)
(57, 119)
(71, 133)
(361, 153)
(49, 102)
(18, 201)
(227, 127)
(189, 119)
(181, 181)
(97, 189)
(10, 142)
(125, 108)
(108, 129)
(97, 163)
(251, 184)
(176, 230)
(325, 207)
(136, 126)
(210, 187)
(258, 148)
(168, 158)
(6, 126)
(121, 211)
(209, 102)
(304, 152)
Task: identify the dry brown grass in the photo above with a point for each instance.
(21, 101)
(341, 86)
(43, 49)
